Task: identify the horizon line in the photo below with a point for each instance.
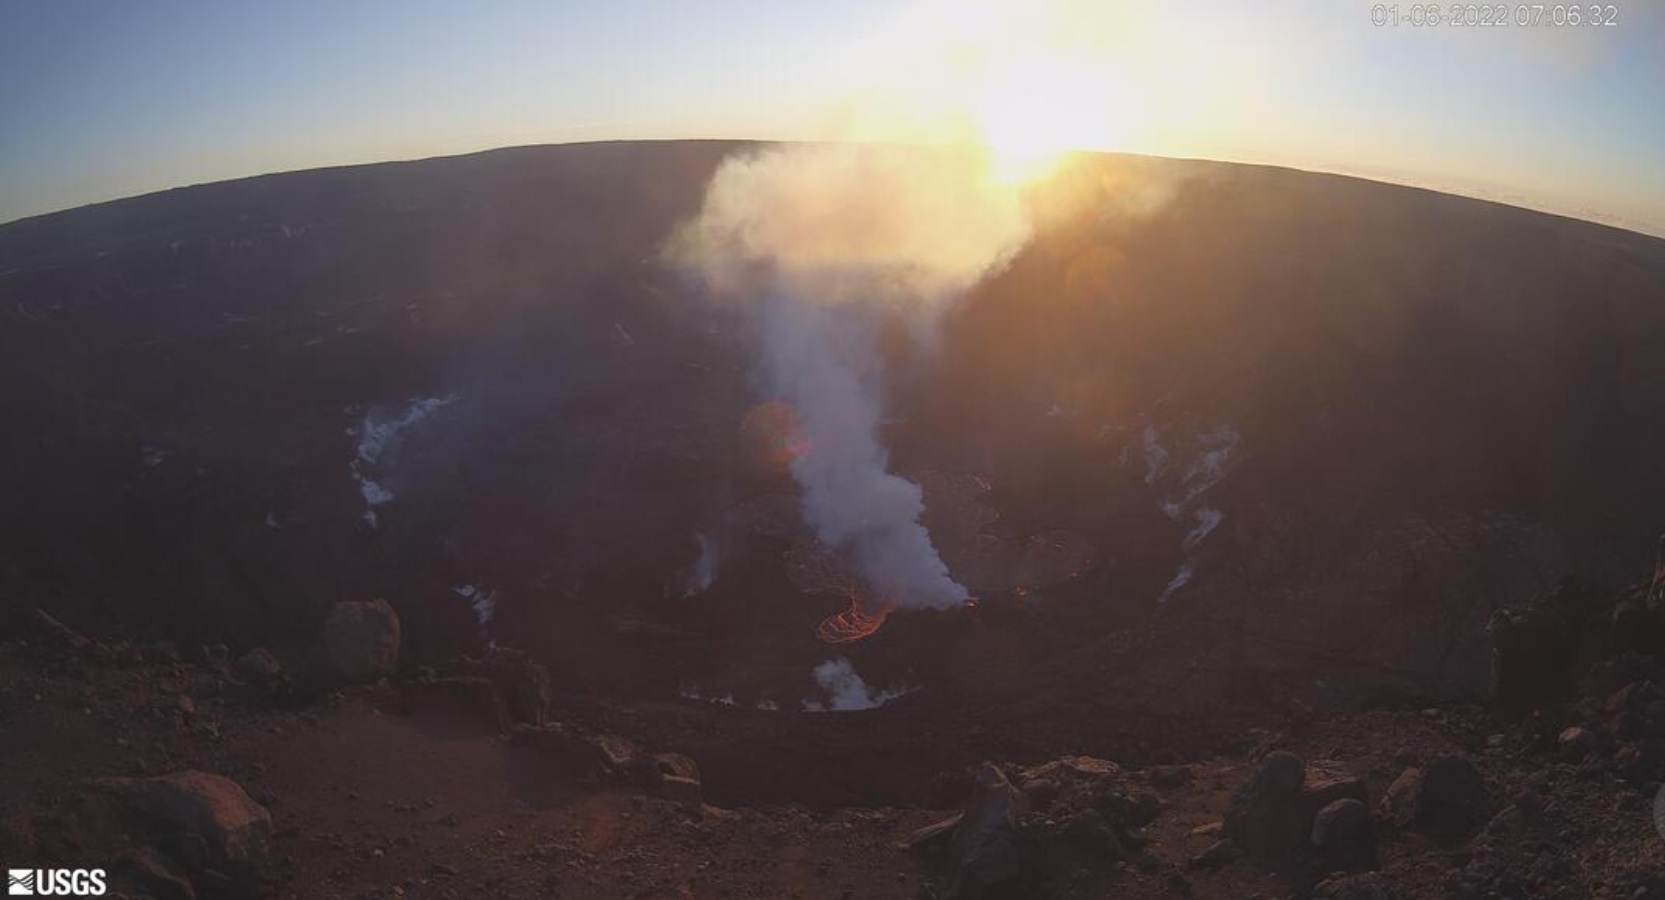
(1401, 180)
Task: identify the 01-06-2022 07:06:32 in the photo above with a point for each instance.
(1496, 15)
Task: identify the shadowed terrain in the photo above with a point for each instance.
(1224, 448)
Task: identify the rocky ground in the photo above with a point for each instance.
(343, 771)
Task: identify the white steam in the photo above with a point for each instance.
(698, 578)
(846, 691)
(825, 243)
(376, 434)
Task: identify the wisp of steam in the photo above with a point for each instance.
(824, 244)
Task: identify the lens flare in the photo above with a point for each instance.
(771, 438)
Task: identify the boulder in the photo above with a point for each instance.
(1088, 804)
(462, 697)
(1574, 743)
(1535, 649)
(584, 755)
(685, 792)
(933, 836)
(1327, 781)
(670, 775)
(521, 683)
(983, 857)
(1266, 819)
(1638, 622)
(1641, 762)
(360, 641)
(1071, 784)
(207, 820)
(259, 669)
(1446, 800)
(1632, 698)
(1343, 836)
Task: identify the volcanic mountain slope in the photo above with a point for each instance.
(1325, 425)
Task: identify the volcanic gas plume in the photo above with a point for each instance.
(824, 244)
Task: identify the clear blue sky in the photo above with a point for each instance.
(102, 99)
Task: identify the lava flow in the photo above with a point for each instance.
(851, 625)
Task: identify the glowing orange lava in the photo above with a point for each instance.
(851, 625)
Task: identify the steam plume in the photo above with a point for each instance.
(824, 243)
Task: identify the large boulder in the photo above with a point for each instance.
(1274, 816)
(1536, 650)
(1265, 819)
(1343, 836)
(984, 857)
(360, 641)
(521, 683)
(467, 698)
(208, 821)
(1446, 800)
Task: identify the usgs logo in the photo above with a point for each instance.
(54, 882)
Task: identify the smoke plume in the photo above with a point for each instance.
(824, 244)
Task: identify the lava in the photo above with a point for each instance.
(850, 625)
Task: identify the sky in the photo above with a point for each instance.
(101, 100)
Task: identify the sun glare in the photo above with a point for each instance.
(1034, 110)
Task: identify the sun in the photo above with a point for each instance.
(1031, 111)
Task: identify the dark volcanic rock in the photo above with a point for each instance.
(522, 684)
(1068, 785)
(984, 858)
(1446, 800)
(1574, 743)
(670, 775)
(581, 753)
(1344, 836)
(206, 820)
(1266, 819)
(360, 641)
(260, 669)
(466, 697)
(685, 792)
(1639, 622)
(934, 835)
(1327, 781)
(605, 758)
(1535, 650)
(1290, 810)
(1082, 809)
